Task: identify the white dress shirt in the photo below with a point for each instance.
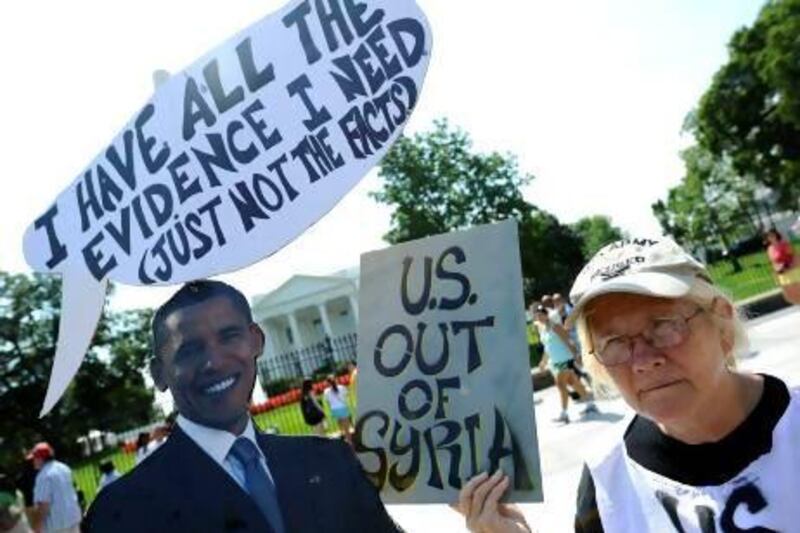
(217, 444)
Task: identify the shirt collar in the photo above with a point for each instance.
(216, 442)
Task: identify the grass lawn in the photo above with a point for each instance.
(755, 278)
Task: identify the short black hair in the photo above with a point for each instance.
(193, 293)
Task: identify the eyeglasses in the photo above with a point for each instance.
(662, 333)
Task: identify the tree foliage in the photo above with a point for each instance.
(595, 232)
(437, 183)
(751, 112)
(712, 206)
(108, 393)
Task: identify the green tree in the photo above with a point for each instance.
(437, 183)
(595, 232)
(712, 206)
(108, 393)
(751, 111)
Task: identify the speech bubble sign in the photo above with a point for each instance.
(444, 387)
(233, 157)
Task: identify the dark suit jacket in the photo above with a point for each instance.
(320, 484)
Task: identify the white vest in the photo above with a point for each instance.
(765, 494)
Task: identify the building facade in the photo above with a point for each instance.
(310, 322)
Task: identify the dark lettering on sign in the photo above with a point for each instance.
(333, 23)
(58, 252)
(401, 31)
(188, 237)
(110, 192)
(146, 143)
(415, 308)
(332, 19)
(453, 437)
(459, 257)
(448, 443)
(367, 126)
(223, 101)
(254, 78)
(437, 366)
(260, 127)
(180, 178)
(317, 116)
(241, 155)
(261, 195)
(218, 157)
(474, 360)
(121, 233)
(472, 424)
(317, 155)
(378, 354)
(87, 200)
(425, 406)
(424, 300)
(124, 168)
(297, 17)
(195, 109)
(93, 257)
(277, 168)
(443, 384)
(398, 481)
(355, 10)
(377, 477)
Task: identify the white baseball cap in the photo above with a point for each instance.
(648, 266)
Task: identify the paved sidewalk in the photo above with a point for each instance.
(775, 342)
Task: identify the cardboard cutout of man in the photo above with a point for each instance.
(216, 472)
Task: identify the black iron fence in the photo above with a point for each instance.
(283, 371)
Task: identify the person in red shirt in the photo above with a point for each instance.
(779, 252)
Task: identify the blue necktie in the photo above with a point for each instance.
(257, 483)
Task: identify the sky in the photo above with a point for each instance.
(590, 96)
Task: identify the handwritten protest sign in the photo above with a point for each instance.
(233, 157)
(444, 389)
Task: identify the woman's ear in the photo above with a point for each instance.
(723, 309)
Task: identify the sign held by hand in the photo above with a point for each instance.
(232, 158)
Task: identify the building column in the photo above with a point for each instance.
(270, 346)
(326, 323)
(295, 328)
(354, 307)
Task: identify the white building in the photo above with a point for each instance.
(309, 321)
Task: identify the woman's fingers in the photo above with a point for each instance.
(465, 496)
(479, 496)
(493, 499)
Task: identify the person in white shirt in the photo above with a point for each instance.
(108, 474)
(336, 396)
(56, 502)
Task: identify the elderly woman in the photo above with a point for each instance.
(710, 448)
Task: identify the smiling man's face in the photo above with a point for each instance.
(208, 362)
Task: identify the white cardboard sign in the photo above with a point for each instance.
(233, 157)
(444, 386)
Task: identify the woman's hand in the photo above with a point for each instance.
(479, 502)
